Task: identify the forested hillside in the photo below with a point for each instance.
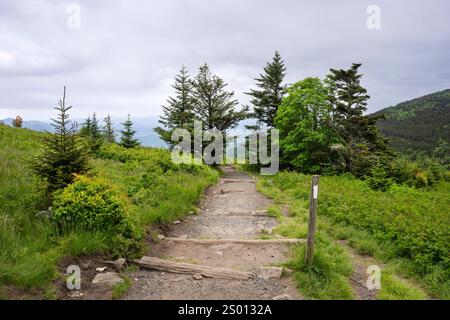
(419, 125)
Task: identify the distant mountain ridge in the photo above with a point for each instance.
(143, 126)
(418, 125)
(32, 124)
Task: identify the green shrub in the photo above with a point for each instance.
(420, 179)
(91, 204)
(421, 173)
(378, 180)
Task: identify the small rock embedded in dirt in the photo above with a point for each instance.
(87, 264)
(197, 276)
(160, 237)
(176, 222)
(219, 253)
(109, 278)
(282, 297)
(259, 227)
(270, 272)
(101, 269)
(75, 294)
(183, 236)
(120, 263)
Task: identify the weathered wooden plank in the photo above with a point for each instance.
(189, 268)
(238, 180)
(239, 241)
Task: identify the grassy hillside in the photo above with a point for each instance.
(30, 246)
(405, 227)
(419, 124)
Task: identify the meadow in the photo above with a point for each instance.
(405, 228)
(153, 189)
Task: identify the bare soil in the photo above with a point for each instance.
(359, 277)
(229, 210)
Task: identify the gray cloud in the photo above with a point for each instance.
(126, 53)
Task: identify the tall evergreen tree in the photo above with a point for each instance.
(127, 139)
(63, 153)
(108, 130)
(95, 128)
(213, 105)
(364, 147)
(267, 98)
(86, 127)
(179, 111)
(92, 133)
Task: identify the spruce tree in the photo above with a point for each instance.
(127, 139)
(213, 105)
(63, 153)
(92, 133)
(364, 147)
(267, 98)
(178, 113)
(108, 130)
(95, 129)
(85, 130)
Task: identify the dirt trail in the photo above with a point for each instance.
(232, 209)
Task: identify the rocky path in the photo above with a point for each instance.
(232, 209)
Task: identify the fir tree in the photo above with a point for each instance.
(63, 153)
(213, 105)
(85, 130)
(127, 139)
(92, 133)
(364, 147)
(108, 130)
(95, 129)
(267, 98)
(178, 113)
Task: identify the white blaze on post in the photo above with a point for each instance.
(315, 191)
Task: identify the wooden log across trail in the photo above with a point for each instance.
(238, 180)
(189, 268)
(232, 191)
(248, 214)
(238, 241)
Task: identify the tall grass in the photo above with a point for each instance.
(30, 246)
(406, 227)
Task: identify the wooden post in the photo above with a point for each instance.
(312, 219)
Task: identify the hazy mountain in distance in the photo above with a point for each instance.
(143, 126)
(31, 124)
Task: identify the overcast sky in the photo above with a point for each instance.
(124, 55)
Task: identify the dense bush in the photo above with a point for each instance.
(91, 204)
(420, 173)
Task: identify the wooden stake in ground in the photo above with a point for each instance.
(312, 219)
